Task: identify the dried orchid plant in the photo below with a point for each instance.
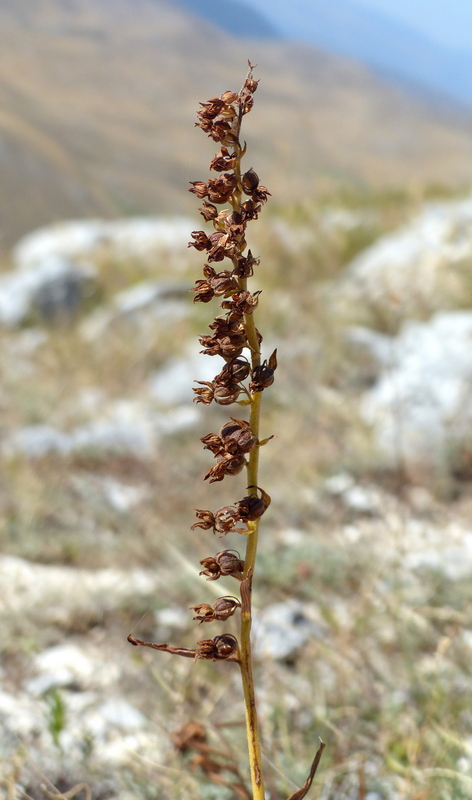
(242, 381)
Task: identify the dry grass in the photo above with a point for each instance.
(387, 680)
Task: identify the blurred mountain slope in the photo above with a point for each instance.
(98, 101)
(236, 17)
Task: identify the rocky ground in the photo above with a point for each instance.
(364, 602)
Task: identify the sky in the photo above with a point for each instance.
(447, 22)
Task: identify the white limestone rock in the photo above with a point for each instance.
(421, 268)
(146, 304)
(420, 405)
(172, 383)
(138, 237)
(282, 629)
(55, 287)
(57, 594)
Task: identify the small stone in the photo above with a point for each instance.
(282, 629)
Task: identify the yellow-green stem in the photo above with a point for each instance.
(253, 734)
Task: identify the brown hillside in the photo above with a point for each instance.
(98, 100)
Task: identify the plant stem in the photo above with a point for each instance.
(252, 724)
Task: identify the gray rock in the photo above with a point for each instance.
(112, 716)
(56, 595)
(54, 275)
(282, 629)
(420, 405)
(422, 268)
(147, 294)
(360, 499)
(53, 288)
(123, 238)
(19, 717)
(171, 619)
(65, 665)
(36, 441)
(365, 342)
(147, 304)
(122, 427)
(114, 437)
(173, 382)
(99, 438)
(451, 558)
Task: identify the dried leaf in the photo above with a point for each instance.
(300, 794)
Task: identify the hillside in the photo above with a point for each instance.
(98, 101)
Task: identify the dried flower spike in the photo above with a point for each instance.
(242, 378)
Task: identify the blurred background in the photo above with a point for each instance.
(362, 132)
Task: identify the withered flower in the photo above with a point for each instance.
(225, 520)
(250, 209)
(250, 181)
(226, 327)
(250, 85)
(214, 284)
(224, 607)
(223, 160)
(204, 393)
(234, 371)
(226, 346)
(206, 124)
(212, 108)
(202, 242)
(219, 189)
(230, 465)
(221, 609)
(221, 647)
(252, 507)
(207, 519)
(261, 194)
(203, 612)
(225, 394)
(248, 103)
(245, 266)
(222, 521)
(199, 188)
(221, 132)
(212, 442)
(234, 439)
(203, 291)
(263, 376)
(218, 241)
(241, 303)
(229, 98)
(227, 562)
(222, 394)
(208, 211)
(237, 436)
(225, 388)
